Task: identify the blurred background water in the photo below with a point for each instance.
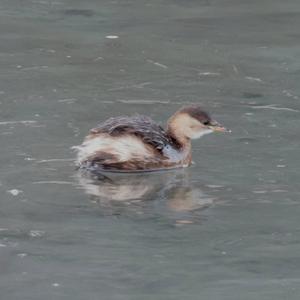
(226, 228)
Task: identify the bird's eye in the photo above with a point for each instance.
(206, 123)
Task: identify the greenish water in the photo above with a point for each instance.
(226, 228)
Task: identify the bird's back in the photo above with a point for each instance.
(140, 126)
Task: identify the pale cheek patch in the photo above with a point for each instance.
(199, 134)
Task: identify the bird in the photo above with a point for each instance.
(138, 144)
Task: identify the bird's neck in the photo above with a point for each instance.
(177, 135)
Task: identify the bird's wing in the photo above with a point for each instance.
(140, 126)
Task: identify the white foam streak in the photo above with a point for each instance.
(26, 122)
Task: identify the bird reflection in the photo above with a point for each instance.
(164, 192)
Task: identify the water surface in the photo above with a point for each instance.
(226, 228)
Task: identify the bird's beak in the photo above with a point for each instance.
(215, 126)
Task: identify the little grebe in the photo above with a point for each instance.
(137, 143)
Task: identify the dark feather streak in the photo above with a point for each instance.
(141, 126)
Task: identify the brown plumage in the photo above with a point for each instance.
(137, 143)
(140, 126)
